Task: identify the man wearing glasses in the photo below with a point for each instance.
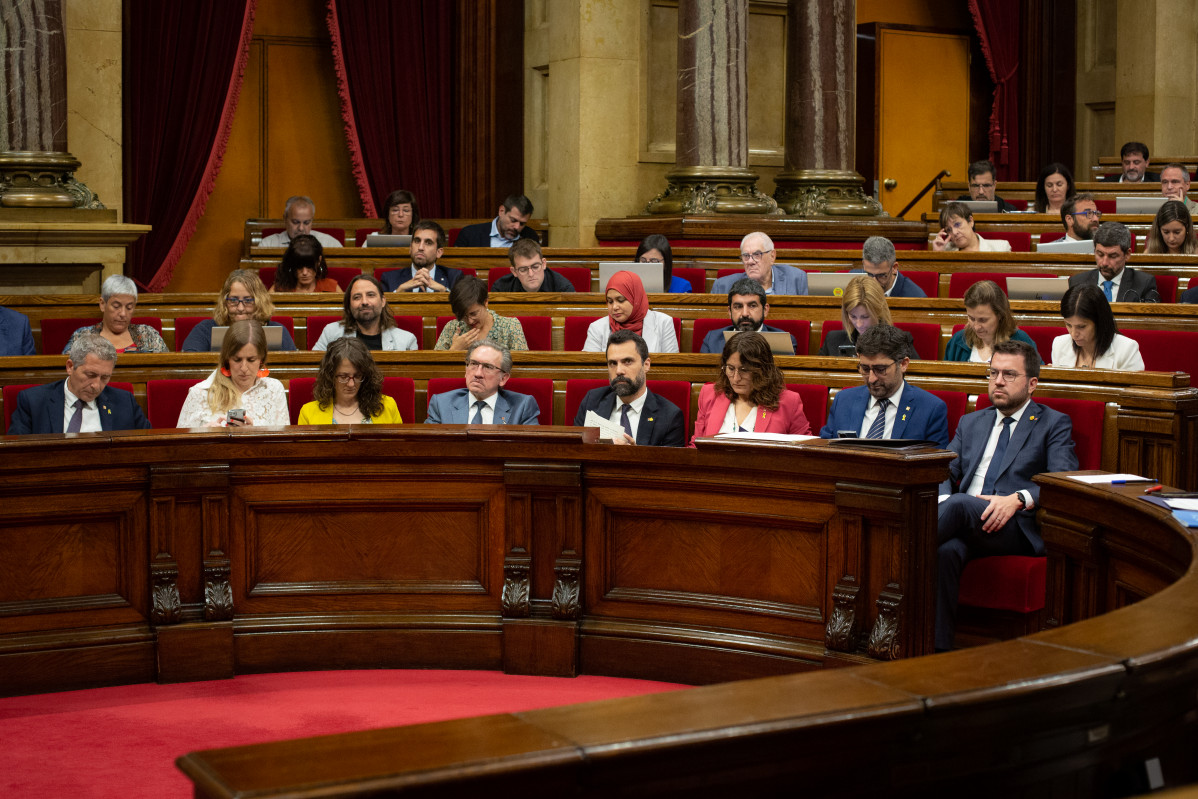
(886, 406)
(1081, 217)
(879, 261)
(757, 254)
(529, 272)
(982, 186)
(484, 400)
(988, 504)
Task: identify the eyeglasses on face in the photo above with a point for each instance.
(749, 257)
(524, 270)
(345, 380)
(486, 367)
(1007, 375)
(235, 301)
(878, 369)
(981, 185)
(1090, 213)
(733, 371)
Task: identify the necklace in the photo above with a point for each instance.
(347, 414)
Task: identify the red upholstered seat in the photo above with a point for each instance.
(1019, 241)
(1005, 582)
(1166, 286)
(957, 402)
(575, 332)
(299, 394)
(183, 327)
(729, 271)
(815, 403)
(693, 275)
(164, 401)
(676, 391)
(10, 400)
(287, 322)
(538, 332)
(702, 328)
(928, 282)
(579, 276)
(1167, 350)
(925, 336)
(267, 275)
(316, 326)
(960, 281)
(57, 332)
(1105, 206)
(539, 388)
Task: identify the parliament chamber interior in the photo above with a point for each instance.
(793, 580)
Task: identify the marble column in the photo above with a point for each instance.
(819, 178)
(711, 173)
(36, 171)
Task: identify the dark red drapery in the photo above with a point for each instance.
(183, 65)
(997, 23)
(394, 74)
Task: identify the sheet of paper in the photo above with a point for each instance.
(1094, 479)
(1182, 504)
(765, 436)
(607, 428)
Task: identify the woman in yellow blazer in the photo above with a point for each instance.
(349, 389)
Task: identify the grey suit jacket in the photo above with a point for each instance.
(453, 407)
(1133, 287)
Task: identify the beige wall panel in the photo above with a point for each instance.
(1095, 83)
(536, 106)
(767, 86)
(94, 114)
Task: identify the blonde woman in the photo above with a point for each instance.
(242, 297)
(862, 306)
(239, 392)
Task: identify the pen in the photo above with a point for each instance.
(1153, 489)
(1133, 480)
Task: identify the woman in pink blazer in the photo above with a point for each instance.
(749, 394)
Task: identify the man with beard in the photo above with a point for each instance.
(747, 308)
(367, 316)
(1118, 281)
(1134, 157)
(647, 418)
(509, 225)
(1081, 217)
(428, 244)
(886, 406)
(988, 504)
(484, 400)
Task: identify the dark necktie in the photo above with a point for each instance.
(624, 419)
(76, 420)
(878, 428)
(1000, 449)
(1106, 286)
(478, 412)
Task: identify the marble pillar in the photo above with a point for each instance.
(36, 171)
(819, 178)
(711, 173)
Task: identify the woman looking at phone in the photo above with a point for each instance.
(238, 393)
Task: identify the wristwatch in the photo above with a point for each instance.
(1022, 501)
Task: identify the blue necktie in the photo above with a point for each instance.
(77, 419)
(1106, 286)
(624, 419)
(878, 428)
(1000, 449)
(478, 412)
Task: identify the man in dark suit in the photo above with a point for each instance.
(15, 336)
(1134, 156)
(428, 244)
(83, 402)
(880, 261)
(1120, 283)
(647, 419)
(987, 506)
(484, 400)
(982, 186)
(886, 406)
(747, 309)
(507, 226)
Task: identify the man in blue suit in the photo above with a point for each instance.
(747, 308)
(484, 401)
(83, 402)
(988, 504)
(879, 261)
(887, 406)
(647, 418)
(757, 253)
(15, 336)
(428, 244)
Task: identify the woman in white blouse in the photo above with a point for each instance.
(957, 233)
(1093, 340)
(628, 309)
(238, 392)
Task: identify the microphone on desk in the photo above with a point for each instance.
(1151, 296)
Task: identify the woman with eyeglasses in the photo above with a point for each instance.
(628, 309)
(957, 233)
(862, 306)
(239, 393)
(749, 394)
(655, 249)
(349, 389)
(243, 297)
(988, 321)
(474, 322)
(1093, 340)
(1172, 231)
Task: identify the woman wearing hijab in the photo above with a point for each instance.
(628, 309)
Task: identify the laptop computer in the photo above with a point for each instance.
(387, 240)
(779, 341)
(1066, 245)
(1037, 288)
(274, 337)
(653, 276)
(981, 206)
(829, 284)
(1148, 204)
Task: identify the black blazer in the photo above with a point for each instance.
(661, 421)
(479, 235)
(1149, 177)
(1133, 287)
(837, 338)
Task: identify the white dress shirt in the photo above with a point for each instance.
(979, 475)
(91, 413)
(871, 413)
(488, 409)
(634, 412)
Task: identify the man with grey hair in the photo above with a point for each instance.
(747, 308)
(484, 400)
(83, 402)
(1119, 282)
(1175, 184)
(757, 254)
(298, 214)
(879, 261)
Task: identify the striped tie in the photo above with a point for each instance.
(878, 428)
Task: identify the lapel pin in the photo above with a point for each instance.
(904, 417)
(650, 419)
(1031, 418)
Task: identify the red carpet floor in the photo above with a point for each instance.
(123, 741)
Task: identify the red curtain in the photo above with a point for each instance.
(997, 23)
(183, 65)
(394, 74)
